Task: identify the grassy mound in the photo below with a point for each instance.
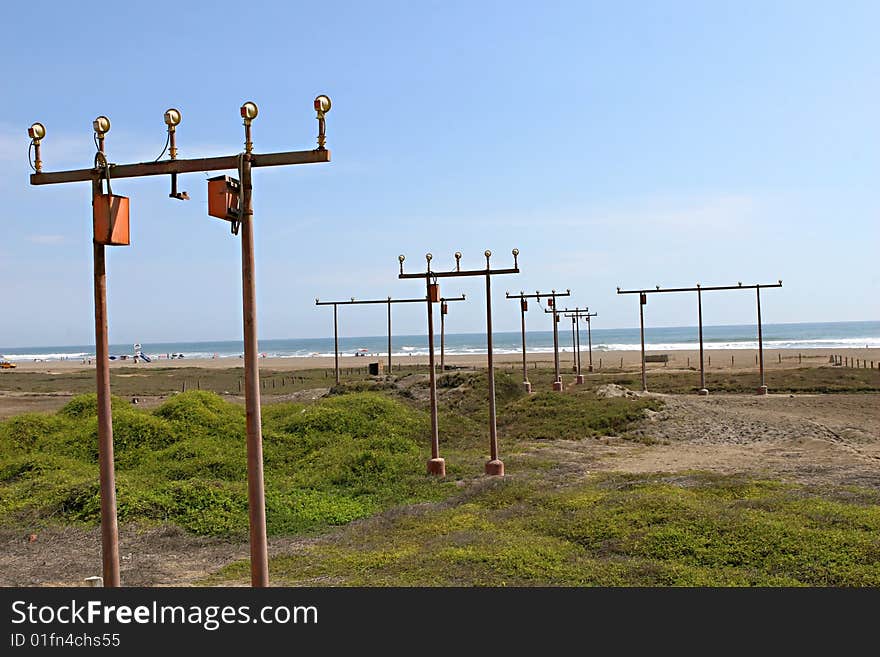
(343, 457)
(549, 415)
(185, 462)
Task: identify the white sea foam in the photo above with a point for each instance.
(58, 356)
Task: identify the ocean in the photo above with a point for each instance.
(823, 335)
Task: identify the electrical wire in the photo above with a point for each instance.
(167, 141)
(30, 157)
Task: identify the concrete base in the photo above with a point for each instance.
(703, 392)
(495, 468)
(527, 387)
(557, 386)
(579, 379)
(590, 368)
(762, 390)
(437, 467)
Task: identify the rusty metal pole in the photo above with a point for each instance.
(109, 526)
(573, 348)
(703, 389)
(436, 466)
(557, 383)
(590, 339)
(442, 336)
(256, 492)
(522, 311)
(580, 377)
(244, 163)
(336, 342)
(389, 335)
(494, 466)
(642, 300)
(763, 389)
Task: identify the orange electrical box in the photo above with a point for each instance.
(224, 196)
(110, 220)
(444, 308)
(434, 292)
(550, 301)
(524, 303)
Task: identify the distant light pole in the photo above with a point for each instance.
(699, 289)
(523, 308)
(352, 302)
(576, 316)
(437, 465)
(551, 301)
(444, 310)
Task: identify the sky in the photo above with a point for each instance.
(626, 144)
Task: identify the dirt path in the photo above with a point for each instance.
(148, 556)
(815, 439)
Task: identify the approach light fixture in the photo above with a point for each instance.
(101, 125)
(249, 111)
(322, 104)
(172, 117)
(37, 131)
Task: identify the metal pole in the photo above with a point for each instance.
(590, 338)
(642, 330)
(522, 312)
(436, 466)
(573, 347)
(336, 343)
(256, 492)
(442, 339)
(389, 335)
(109, 527)
(557, 383)
(763, 389)
(494, 466)
(703, 389)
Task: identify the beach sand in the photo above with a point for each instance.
(716, 359)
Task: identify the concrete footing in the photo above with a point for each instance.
(495, 468)
(557, 386)
(437, 467)
(579, 379)
(527, 387)
(703, 392)
(762, 390)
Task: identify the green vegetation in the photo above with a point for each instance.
(343, 457)
(548, 415)
(362, 450)
(808, 380)
(185, 463)
(692, 529)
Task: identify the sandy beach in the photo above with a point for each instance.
(716, 359)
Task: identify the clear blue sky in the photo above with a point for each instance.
(625, 143)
